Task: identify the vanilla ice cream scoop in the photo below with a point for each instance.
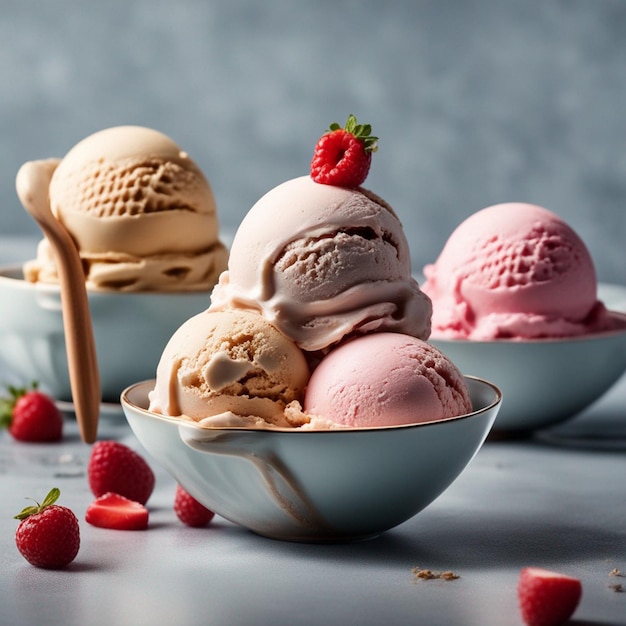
(321, 262)
(140, 211)
(229, 368)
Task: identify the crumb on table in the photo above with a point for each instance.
(427, 574)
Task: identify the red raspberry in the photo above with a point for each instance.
(114, 467)
(547, 598)
(343, 156)
(189, 510)
(48, 535)
(31, 415)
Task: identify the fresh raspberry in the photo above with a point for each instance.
(31, 415)
(117, 513)
(48, 535)
(547, 598)
(343, 156)
(114, 467)
(189, 510)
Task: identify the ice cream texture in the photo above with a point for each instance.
(321, 274)
(322, 262)
(230, 368)
(386, 379)
(514, 271)
(319, 289)
(142, 214)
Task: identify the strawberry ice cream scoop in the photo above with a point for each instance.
(386, 379)
(321, 262)
(514, 271)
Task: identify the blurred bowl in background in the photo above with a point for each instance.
(130, 330)
(546, 381)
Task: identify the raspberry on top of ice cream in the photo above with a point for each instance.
(318, 280)
(343, 156)
(322, 258)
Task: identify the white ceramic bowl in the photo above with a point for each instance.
(130, 329)
(317, 486)
(545, 381)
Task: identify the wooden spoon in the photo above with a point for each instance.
(32, 183)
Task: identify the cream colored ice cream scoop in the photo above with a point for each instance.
(322, 262)
(141, 212)
(32, 183)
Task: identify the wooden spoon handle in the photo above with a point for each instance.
(32, 184)
(79, 342)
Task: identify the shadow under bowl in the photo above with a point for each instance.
(315, 486)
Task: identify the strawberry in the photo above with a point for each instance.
(189, 510)
(117, 512)
(48, 535)
(31, 415)
(114, 467)
(343, 156)
(547, 598)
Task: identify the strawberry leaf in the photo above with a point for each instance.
(8, 404)
(27, 512)
(6, 413)
(50, 499)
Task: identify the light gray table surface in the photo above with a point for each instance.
(557, 500)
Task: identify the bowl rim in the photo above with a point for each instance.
(125, 402)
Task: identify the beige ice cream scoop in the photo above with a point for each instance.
(141, 212)
(232, 366)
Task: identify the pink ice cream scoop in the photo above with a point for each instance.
(322, 262)
(386, 379)
(514, 271)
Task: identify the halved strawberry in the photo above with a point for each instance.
(547, 598)
(117, 512)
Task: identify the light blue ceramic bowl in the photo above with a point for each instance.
(546, 381)
(316, 486)
(130, 329)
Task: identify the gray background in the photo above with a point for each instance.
(476, 102)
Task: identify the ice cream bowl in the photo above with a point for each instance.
(315, 486)
(544, 381)
(130, 329)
